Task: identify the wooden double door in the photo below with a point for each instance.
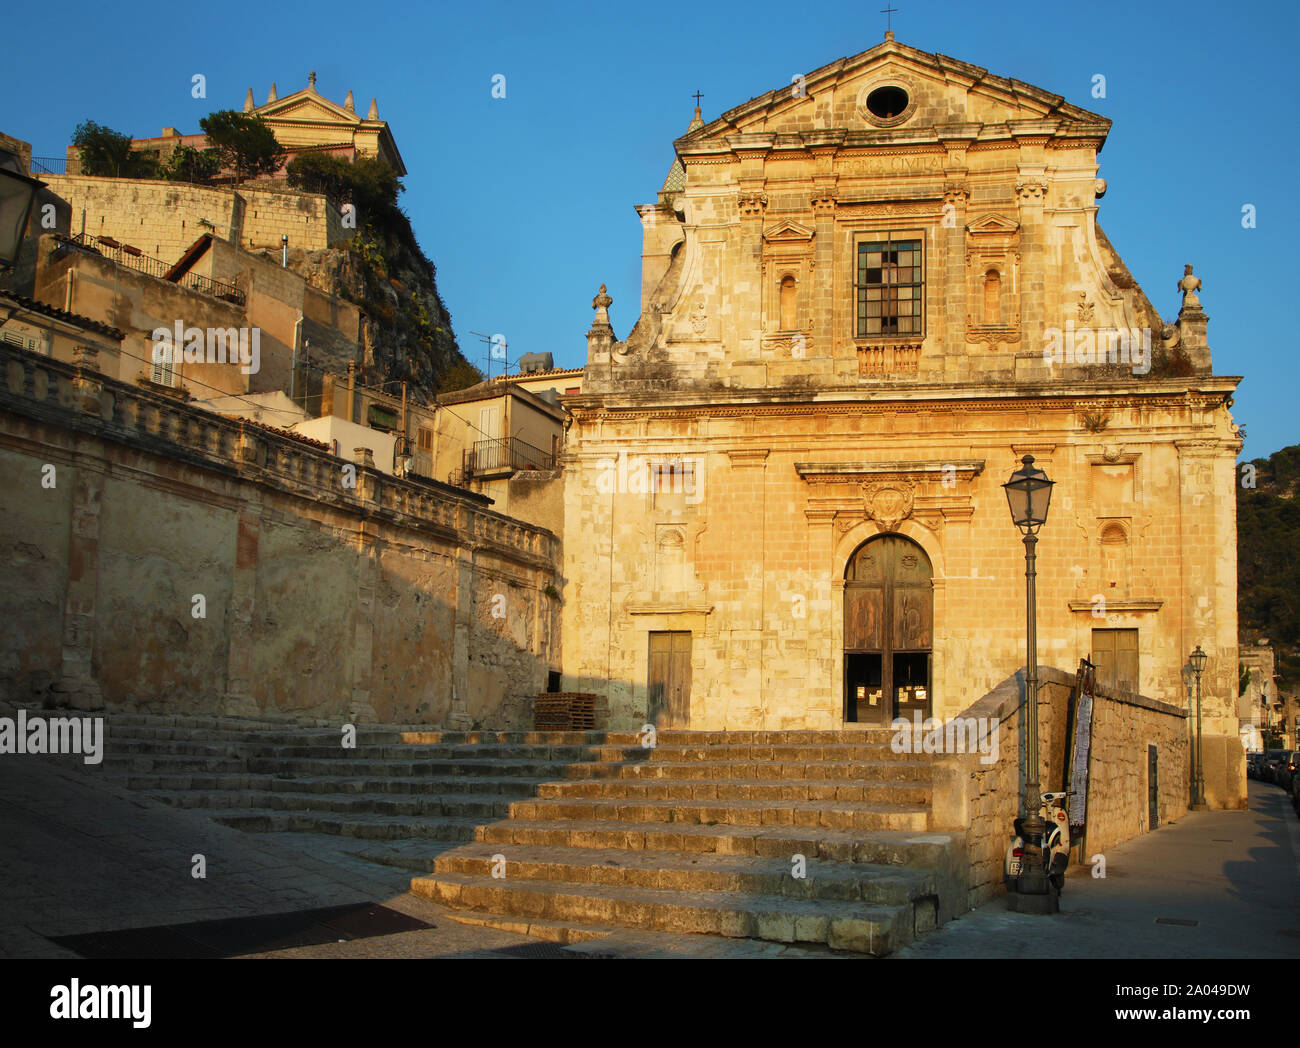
(888, 631)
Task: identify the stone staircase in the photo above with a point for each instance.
(792, 837)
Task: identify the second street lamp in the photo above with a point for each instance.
(1197, 659)
(1029, 493)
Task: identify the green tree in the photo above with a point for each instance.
(368, 183)
(244, 145)
(106, 153)
(187, 164)
(459, 375)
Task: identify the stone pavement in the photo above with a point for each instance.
(80, 855)
(1235, 873)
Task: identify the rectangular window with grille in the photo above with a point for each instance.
(889, 285)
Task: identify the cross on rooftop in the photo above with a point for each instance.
(697, 96)
(889, 13)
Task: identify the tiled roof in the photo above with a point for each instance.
(33, 306)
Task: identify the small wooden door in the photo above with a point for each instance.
(888, 631)
(670, 679)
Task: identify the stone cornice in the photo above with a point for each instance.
(912, 469)
(655, 607)
(857, 400)
(1118, 605)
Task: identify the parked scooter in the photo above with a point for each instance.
(1054, 854)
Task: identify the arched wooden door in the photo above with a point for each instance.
(888, 631)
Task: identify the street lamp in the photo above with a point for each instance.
(1197, 660)
(1029, 493)
(17, 194)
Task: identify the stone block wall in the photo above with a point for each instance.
(181, 561)
(984, 799)
(164, 218)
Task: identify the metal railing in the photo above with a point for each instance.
(49, 165)
(505, 453)
(134, 258)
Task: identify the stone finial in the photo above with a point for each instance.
(363, 457)
(1189, 285)
(311, 80)
(248, 101)
(273, 95)
(348, 104)
(601, 304)
(374, 110)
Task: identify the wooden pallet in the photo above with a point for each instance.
(568, 711)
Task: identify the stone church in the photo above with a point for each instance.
(867, 295)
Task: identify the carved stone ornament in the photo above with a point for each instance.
(888, 503)
(1189, 286)
(1086, 308)
(699, 317)
(751, 203)
(1031, 191)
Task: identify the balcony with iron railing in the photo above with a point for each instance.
(504, 455)
(134, 258)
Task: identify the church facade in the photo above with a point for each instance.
(866, 297)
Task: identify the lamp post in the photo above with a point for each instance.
(1028, 494)
(1197, 660)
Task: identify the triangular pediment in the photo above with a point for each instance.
(786, 232)
(991, 223)
(307, 105)
(940, 92)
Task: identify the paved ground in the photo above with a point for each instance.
(1236, 874)
(78, 855)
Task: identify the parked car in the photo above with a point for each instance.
(1271, 760)
(1252, 764)
(1286, 767)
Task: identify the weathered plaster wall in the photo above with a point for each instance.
(330, 589)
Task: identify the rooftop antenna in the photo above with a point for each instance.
(496, 351)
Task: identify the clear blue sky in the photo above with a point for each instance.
(525, 204)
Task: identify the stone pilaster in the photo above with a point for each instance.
(77, 686)
(239, 700)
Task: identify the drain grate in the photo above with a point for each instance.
(1182, 922)
(234, 936)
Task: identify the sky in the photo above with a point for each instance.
(525, 203)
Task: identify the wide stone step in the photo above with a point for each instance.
(855, 926)
(852, 771)
(456, 806)
(835, 815)
(899, 791)
(511, 786)
(167, 763)
(302, 767)
(412, 752)
(892, 847)
(693, 871)
(371, 827)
